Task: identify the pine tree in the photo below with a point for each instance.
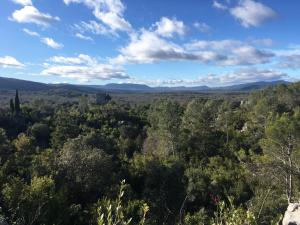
(17, 102)
(12, 106)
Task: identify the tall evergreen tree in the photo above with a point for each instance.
(17, 102)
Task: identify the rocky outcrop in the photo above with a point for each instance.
(292, 215)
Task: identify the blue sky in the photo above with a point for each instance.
(159, 43)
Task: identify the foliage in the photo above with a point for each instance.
(230, 215)
(62, 158)
(113, 212)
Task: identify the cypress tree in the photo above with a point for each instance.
(17, 102)
(12, 106)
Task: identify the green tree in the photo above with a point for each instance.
(6, 155)
(66, 125)
(85, 169)
(5, 147)
(83, 104)
(281, 150)
(30, 204)
(17, 103)
(162, 185)
(25, 150)
(165, 119)
(199, 138)
(41, 133)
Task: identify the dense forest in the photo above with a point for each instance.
(209, 161)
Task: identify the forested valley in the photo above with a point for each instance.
(204, 162)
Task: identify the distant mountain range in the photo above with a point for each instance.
(23, 85)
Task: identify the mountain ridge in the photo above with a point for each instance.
(24, 85)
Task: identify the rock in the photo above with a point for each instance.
(292, 215)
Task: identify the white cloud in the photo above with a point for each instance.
(83, 37)
(237, 52)
(80, 59)
(51, 43)
(148, 47)
(251, 13)
(31, 33)
(83, 68)
(243, 76)
(168, 27)
(248, 12)
(292, 49)
(8, 61)
(219, 5)
(109, 12)
(23, 2)
(30, 14)
(203, 27)
(221, 45)
(93, 27)
(45, 40)
(223, 79)
(290, 61)
(248, 55)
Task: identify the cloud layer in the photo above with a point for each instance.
(166, 39)
(149, 47)
(83, 68)
(243, 76)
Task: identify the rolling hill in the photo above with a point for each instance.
(23, 85)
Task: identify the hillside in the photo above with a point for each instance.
(12, 84)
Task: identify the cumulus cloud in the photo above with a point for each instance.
(30, 14)
(251, 13)
(109, 12)
(149, 47)
(248, 55)
(168, 27)
(203, 27)
(51, 43)
(23, 2)
(83, 37)
(83, 68)
(248, 12)
(9, 61)
(237, 52)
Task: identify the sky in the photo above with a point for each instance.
(157, 42)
